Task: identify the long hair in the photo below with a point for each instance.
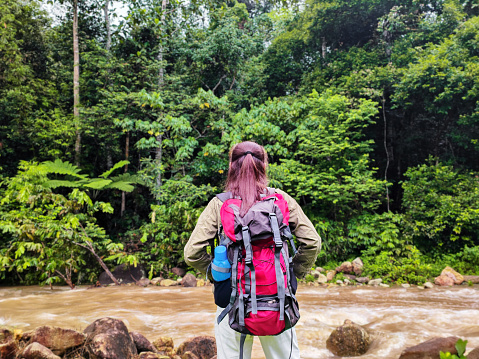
(247, 177)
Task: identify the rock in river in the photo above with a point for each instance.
(348, 340)
(430, 349)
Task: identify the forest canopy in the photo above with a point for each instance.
(116, 119)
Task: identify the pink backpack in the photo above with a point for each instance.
(263, 284)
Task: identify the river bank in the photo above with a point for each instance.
(396, 317)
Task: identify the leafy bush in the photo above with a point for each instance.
(441, 208)
(408, 268)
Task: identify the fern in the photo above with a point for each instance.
(98, 183)
(116, 166)
(62, 168)
(62, 183)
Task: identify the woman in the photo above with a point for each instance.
(247, 180)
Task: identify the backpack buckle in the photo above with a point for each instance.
(275, 228)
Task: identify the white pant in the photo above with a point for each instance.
(282, 346)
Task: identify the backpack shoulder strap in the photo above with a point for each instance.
(223, 197)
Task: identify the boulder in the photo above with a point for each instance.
(180, 272)
(156, 281)
(9, 349)
(189, 280)
(124, 274)
(428, 285)
(375, 281)
(330, 275)
(189, 355)
(357, 266)
(143, 282)
(38, 351)
(151, 355)
(164, 342)
(315, 273)
(474, 354)
(474, 279)
(345, 267)
(350, 277)
(203, 347)
(348, 340)
(430, 349)
(108, 338)
(5, 335)
(406, 285)
(362, 280)
(322, 278)
(142, 344)
(164, 346)
(384, 285)
(444, 280)
(58, 340)
(457, 277)
(168, 283)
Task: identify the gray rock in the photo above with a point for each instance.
(428, 285)
(362, 280)
(375, 281)
(474, 279)
(444, 280)
(58, 340)
(430, 349)
(474, 354)
(350, 276)
(406, 285)
(330, 275)
(203, 347)
(345, 267)
(142, 344)
(38, 351)
(348, 340)
(124, 274)
(189, 280)
(357, 266)
(156, 281)
(180, 272)
(108, 338)
(322, 278)
(383, 285)
(143, 282)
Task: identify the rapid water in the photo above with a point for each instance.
(395, 317)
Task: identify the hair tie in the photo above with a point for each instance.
(248, 153)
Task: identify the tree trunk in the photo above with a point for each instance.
(161, 82)
(76, 83)
(161, 73)
(158, 155)
(127, 154)
(107, 24)
(323, 48)
(386, 149)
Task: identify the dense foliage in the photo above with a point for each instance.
(369, 111)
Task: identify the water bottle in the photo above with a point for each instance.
(221, 261)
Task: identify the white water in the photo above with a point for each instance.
(395, 317)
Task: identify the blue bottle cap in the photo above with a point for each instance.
(220, 253)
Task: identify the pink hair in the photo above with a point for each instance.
(247, 177)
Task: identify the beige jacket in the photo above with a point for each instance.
(209, 222)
